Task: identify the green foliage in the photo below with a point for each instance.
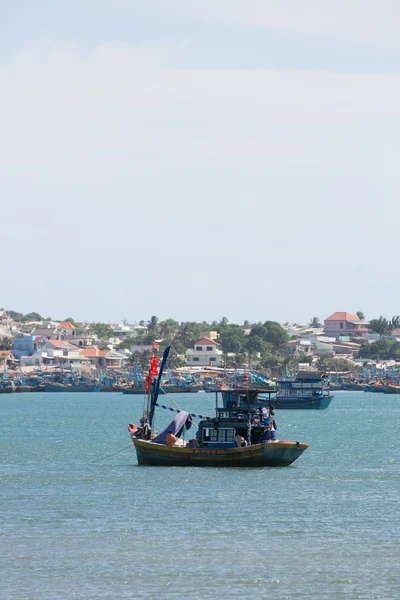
(304, 358)
(189, 333)
(70, 320)
(360, 315)
(152, 325)
(142, 359)
(383, 349)
(168, 328)
(315, 322)
(5, 344)
(271, 332)
(32, 316)
(384, 326)
(332, 364)
(232, 339)
(102, 330)
(15, 316)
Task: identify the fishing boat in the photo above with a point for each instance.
(65, 387)
(236, 437)
(170, 389)
(306, 390)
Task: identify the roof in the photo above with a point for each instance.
(94, 352)
(43, 330)
(65, 325)
(342, 316)
(206, 341)
(60, 344)
(396, 332)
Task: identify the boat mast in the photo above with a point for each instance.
(156, 381)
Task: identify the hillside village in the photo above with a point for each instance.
(343, 340)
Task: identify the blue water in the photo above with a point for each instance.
(326, 527)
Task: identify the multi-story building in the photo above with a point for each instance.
(205, 353)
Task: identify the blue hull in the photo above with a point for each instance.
(302, 403)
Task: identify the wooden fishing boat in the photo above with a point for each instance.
(272, 454)
(236, 437)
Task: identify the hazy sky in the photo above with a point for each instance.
(197, 159)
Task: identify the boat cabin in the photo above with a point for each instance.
(234, 426)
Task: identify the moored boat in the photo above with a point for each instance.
(62, 387)
(167, 389)
(306, 390)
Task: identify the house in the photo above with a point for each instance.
(299, 346)
(322, 349)
(66, 330)
(341, 324)
(396, 335)
(103, 358)
(205, 352)
(141, 348)
(27, 345)
(54, 354)
(47, 330)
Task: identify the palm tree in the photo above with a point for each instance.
(152, 324)
(315, 322)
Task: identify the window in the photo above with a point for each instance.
(212, 359)
(196, 358)
(199, 348)
(209, 348)
(341, 325)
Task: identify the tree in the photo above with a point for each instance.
(15, 316)
(70, 320)
(395, 322)
(360, 315)
(276, 335)
(315, 322)
(152, 324)
(224, 321)
(189, 333)
(102, 330)
(381, 326)
(5, 344)
(383, 349)
(32, 316)
(232, 339)
(168, 328)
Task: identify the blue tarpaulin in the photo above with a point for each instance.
(181, 420)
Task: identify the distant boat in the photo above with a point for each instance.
(167, 389)
(62, 387)
(306, 390)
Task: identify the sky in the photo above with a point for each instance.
(198, 159)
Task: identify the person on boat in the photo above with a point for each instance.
(170, 439)
(240, 441)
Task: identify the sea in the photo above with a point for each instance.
(81, 520)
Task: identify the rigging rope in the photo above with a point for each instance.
(108, 455)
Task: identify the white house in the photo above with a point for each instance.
(205, 353)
